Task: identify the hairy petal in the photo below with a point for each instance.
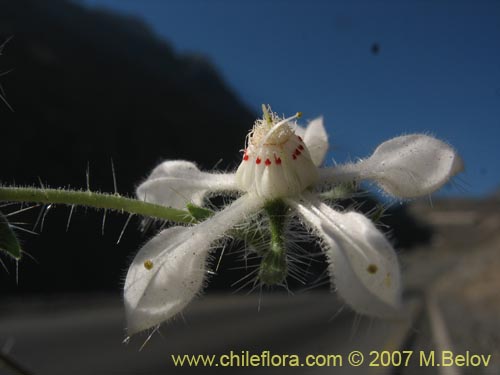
(175, 183)
(406, 167)
(176, 276)
(169, 271)
(363, 265)
(316, 140)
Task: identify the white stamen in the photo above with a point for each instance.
(278, 126)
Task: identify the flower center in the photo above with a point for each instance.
(266, 133)
(276, 162)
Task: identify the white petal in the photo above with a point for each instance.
(176, 277)
(316, 140)
(175, 183)
(169, 271)
(299, 130)
(407, 166)
(363, 265)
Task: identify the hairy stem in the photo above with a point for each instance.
(95, 200)
(273, 268)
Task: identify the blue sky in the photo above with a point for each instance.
(437, 71)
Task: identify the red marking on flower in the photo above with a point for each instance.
(257, 161)
(245, 157)
(294, 156)
(277, 160)
(301, 148)
(300, 138)
(297, 152)
(267, 162)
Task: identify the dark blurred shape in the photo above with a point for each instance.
(89, 86)
(3, 73)
(85, 334)
(458, 273)
(375, 48)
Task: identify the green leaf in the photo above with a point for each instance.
(8, 239)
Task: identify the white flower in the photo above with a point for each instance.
(281, 162)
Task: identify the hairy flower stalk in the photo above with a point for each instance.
(273, 268)
(96, 200)
(280, 173)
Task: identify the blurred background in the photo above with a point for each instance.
(89, 83)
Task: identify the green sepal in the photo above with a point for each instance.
(199, 213)
(343, 190)
(377, 213)
(8, 240)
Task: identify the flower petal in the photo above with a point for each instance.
(316, 139)
(169, 271)
(407, 166)
(175, 278)
(363, 265)
(175, 183)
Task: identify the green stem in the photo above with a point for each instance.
(96, 200)
(273, 268)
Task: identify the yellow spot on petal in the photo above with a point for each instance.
(388, 280)
(372, 268)
(148, 264)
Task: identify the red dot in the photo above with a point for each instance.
(245, 157)
(277, 160)
(294, 157)
(268, 162)
(297, 152)
(301, 147)
(257, 161)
